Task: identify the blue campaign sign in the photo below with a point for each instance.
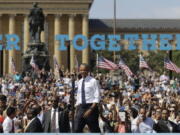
(102, 42)
(83, 46)
(12, 41)
(131, 38)
(178, 41)
(112, 43)
(147, 42)
(62, 39)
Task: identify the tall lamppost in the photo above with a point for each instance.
(171, 59)
(114, 28)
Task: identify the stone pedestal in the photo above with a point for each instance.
(41, 56)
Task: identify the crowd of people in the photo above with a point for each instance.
(43, 103)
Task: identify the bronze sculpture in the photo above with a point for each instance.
(36, 23)
(36, 48)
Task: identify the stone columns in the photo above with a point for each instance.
(71, 32)
(57, 30)
(26, 33)
(5, 53)
(43, 35)
(12, 53)
(85, 29)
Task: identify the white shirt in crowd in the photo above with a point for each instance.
(92, 91)
(4, 89)
(67, 80)
(164, 78)
(7, 125)
(144, 127)
(57, 118)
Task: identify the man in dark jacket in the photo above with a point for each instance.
(56, 120)
(34, 125)
(178, 123)
(164, 125)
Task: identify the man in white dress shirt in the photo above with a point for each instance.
(8, 124)
(88, 97)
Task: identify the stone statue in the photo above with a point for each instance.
(35, 47)
(36, 23)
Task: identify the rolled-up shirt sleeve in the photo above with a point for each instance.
(96, 92)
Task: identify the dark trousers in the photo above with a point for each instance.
(91, 120)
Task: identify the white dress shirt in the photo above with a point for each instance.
(144, 127)
(4, 89)
(92, 91)
(7, 125)
(134, 127)
(57, 118)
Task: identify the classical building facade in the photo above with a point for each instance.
(62, 17)
(66, 17)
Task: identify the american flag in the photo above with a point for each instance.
(106, 64)
(126, 69)
(13, 66)
(33, 64)
(56, 65)
(171, 66)
(142, 62)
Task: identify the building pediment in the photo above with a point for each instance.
(49, 6)
(44, 1)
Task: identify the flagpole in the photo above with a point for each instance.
(170, 57)
(114, 28)
(97, 71)
(164, 64)
(139, 64)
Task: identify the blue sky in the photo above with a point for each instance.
(158, 9)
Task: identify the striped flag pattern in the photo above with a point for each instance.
(33, 64)
(106, 64)
(126, 69)
(171, 66)
(13, 66)
(142, 62)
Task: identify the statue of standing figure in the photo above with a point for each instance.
(36, 23)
